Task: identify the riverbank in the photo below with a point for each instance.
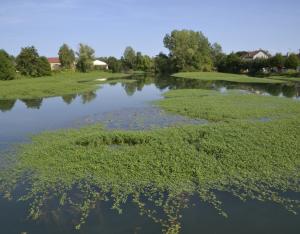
(218, 76)
(62, 83)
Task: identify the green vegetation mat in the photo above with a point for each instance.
(58, 84)
(239, 154)
(232, 105)
(213, 76)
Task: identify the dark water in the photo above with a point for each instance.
(128, 106)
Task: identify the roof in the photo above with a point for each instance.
(53, 60)
(251, 54)
(99, 63)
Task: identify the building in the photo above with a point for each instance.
(54, 63)
(258, 54)
(100, 65)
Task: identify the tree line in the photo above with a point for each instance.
(188, 51)
(234, 63)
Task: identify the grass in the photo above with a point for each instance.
(286, 78)
(249, 159)
(63, 83)
(215, 76)
(232, 105)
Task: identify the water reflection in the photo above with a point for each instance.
(35, 103)
(88, 97)
(138, 83)
(7, 105)
(68, 99)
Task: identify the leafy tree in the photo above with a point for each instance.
(85, 58)
(148, 63)
(7, 68)
(139, 63)
(29, 63)
(66, 56)
(44, 68)
(143, 62)
(216, 53)
(129, 58)
(257, 65)
(114, 64)
(163, 64)
(292, 61)
(277, 61)
(189, 50)
(231, 63)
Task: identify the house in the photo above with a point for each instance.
(54, 63)
(100, 64)
(257, 54)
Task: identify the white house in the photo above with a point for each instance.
(258, 54)
(54, 63)
(100, 64)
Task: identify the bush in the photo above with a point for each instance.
(7, 68)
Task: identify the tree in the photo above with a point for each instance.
(114, 64)
(143, 62)
(189, 50)
(231, 63)
(216, 53)
(292, 61)
(129, 58)
(29, 63)
(277, 61)
(7, 67)
(85, 58)
(66, 56)
(163, 64)
(44, 68)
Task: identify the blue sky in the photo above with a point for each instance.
(110, 26)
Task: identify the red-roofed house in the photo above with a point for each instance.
(54, 63)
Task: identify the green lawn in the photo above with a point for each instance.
(215, 76)
(285, 78)
(58, 84)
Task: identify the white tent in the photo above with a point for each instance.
(100, 63)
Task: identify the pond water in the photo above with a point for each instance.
(128, 105)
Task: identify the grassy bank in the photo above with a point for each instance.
(58, 84)
(232, 105)
(215, 76)
(238, 154)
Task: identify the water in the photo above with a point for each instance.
(128, 106)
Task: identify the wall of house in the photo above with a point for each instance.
(55, 66)
(260, 55)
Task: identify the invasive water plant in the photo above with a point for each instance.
(231, 105)
(160, 169)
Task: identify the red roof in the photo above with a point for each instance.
(53, 60)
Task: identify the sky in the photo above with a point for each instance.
(109, 26)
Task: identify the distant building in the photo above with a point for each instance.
(100, 64)
(54, 63)
(252, 55)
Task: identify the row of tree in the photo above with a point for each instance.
(188, 51)
(234, 63)
(28, 63)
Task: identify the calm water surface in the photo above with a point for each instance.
(128, 106)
